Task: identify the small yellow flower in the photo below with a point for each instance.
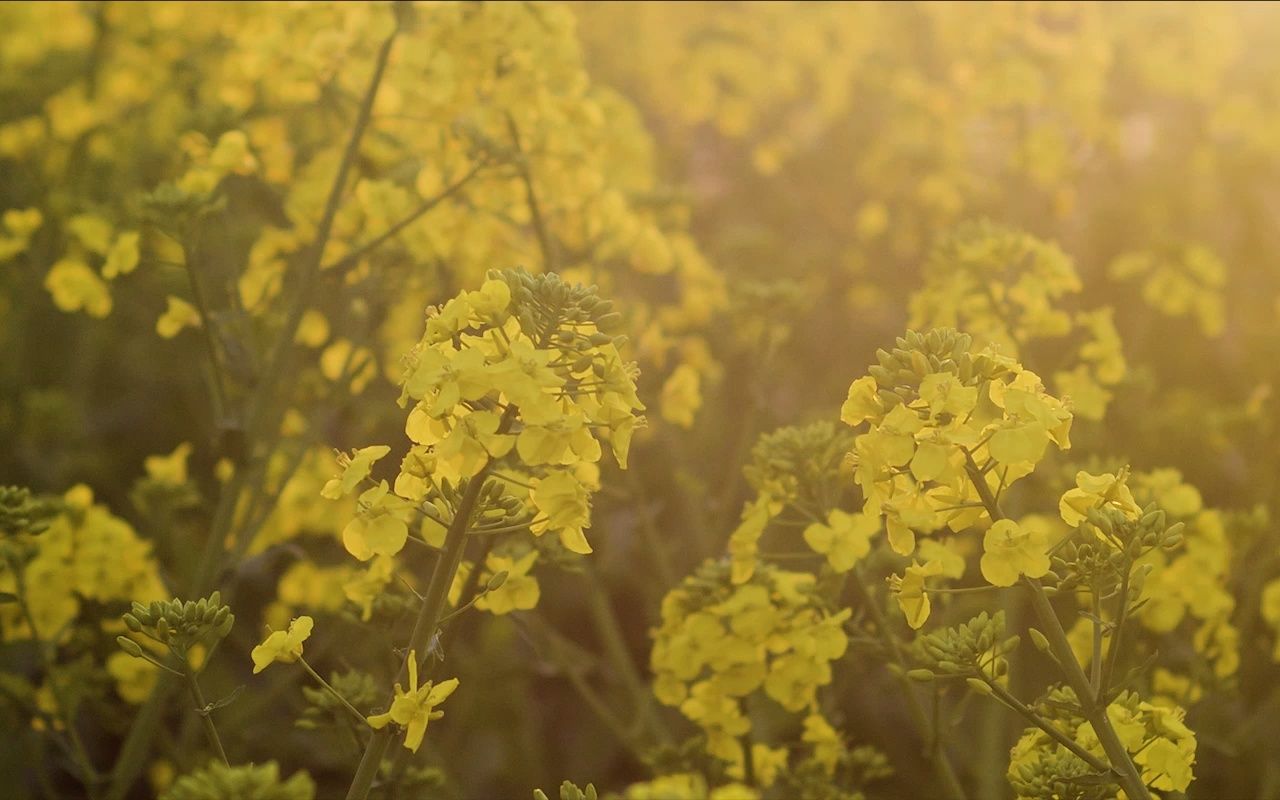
(282, 646)
(178, 314)
(519, 592)
(1013, 551)
(413, 709)
(355, 468)
(171, 469)
(845, 538)
(909, 589)
(682, 396)
(566, 504)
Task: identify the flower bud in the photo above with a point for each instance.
(978, 685)
(129, 646)
(496, 581)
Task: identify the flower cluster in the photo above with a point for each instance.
(795, 472)
(518, 378)
(721, 641)
(85, 556)
(941, 417)
(1005, 288)
(1162, 747)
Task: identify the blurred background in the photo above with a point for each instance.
(769, 192)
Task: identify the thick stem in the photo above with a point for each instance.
(1129, 777)
(428, 619)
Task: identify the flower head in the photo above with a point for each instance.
(1012, 551)
(413, 708)
(282, 646)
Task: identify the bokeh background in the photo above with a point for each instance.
(761, 188)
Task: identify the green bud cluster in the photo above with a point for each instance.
(855, 769)
(569, 791)
(495, 510)
(172, 209)
(1084, 560)
(1060, 706)
(976, 646)
(551, 310)
(689, 755)
(915, 355)
(1055, 773)
(249, 782)
(801, 462)
(24, 512)
(324, 710)
(178, 625)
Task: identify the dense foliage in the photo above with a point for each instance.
(660, 401)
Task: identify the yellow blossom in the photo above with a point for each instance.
(1011, 551)
(282, 646)
(414, 707)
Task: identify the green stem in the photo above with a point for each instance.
(206, 717)
(428, 619)
(1108, 669)
(337, 695)
(1129, 777)
(606, 623)
(89, 775)
(1035, 719)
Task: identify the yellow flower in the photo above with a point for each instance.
(92, 231)
(74, 286)
(414, 708)
(566, 504)
(768, 762)
(1011, 551)
(909, 589)
(355, 468)
(682, 396)
(519, 592)
(367, 586)
(1096, 491)
(844, 539)
(862, 403)
(170, 469)
(179, 314)
(826, 742)
(282, 646)
(377, 528)
(122, 258)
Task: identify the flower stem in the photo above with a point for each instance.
(1128, 775)
(1046, 726)
(337, 695)
(429, 618)
(206, 717)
